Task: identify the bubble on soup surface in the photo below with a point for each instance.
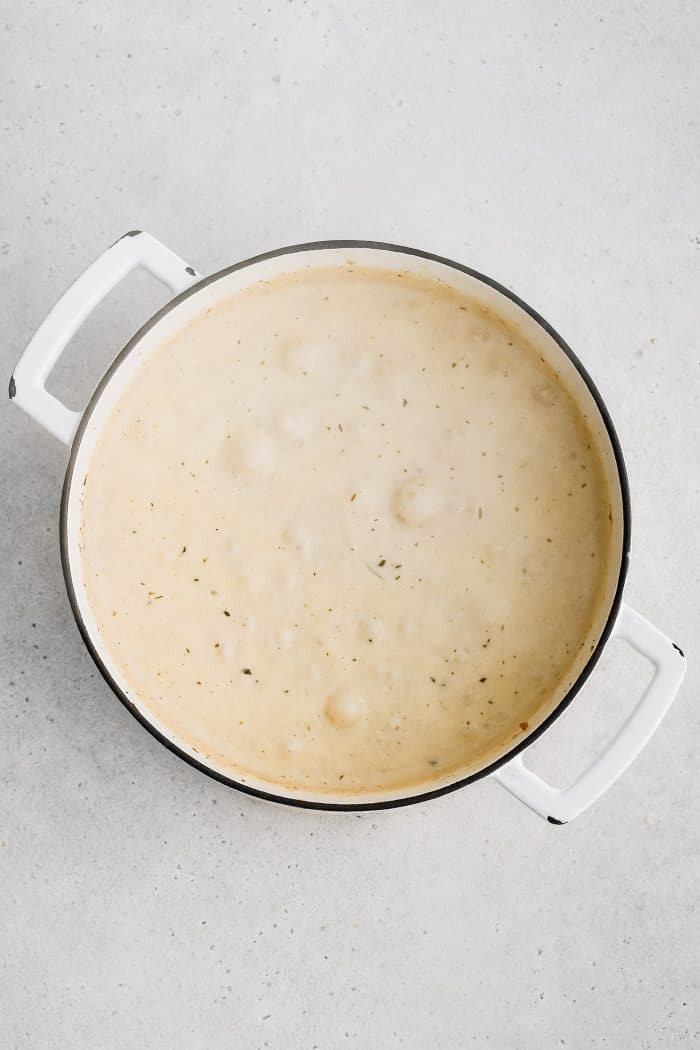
(230, 546)
(547, 395)
(227, 650)
(416, 501)
(252, 453)
(304, 358)
(345, 708)
(298, 428)
(373, 628)
(299, 539)
(285, 638)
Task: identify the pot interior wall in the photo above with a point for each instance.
(196, 301)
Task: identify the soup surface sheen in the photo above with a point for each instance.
(346, 533)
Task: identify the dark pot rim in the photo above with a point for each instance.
(525, 741)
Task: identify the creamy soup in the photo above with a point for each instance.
(346, 532)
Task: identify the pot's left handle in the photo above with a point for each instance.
(27, 385)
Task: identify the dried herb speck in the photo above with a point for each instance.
(246, 670)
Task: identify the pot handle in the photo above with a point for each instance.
(27, 385)
(560, 806)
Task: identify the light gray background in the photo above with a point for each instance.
(552, 145)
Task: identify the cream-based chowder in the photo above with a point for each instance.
(346, 533)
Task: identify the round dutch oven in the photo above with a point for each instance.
(193, 293)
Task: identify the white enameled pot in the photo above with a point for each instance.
(193, 294)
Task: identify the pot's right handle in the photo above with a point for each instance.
(560, 806)
(27, 385)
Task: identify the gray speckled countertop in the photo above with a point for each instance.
(553, 146)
